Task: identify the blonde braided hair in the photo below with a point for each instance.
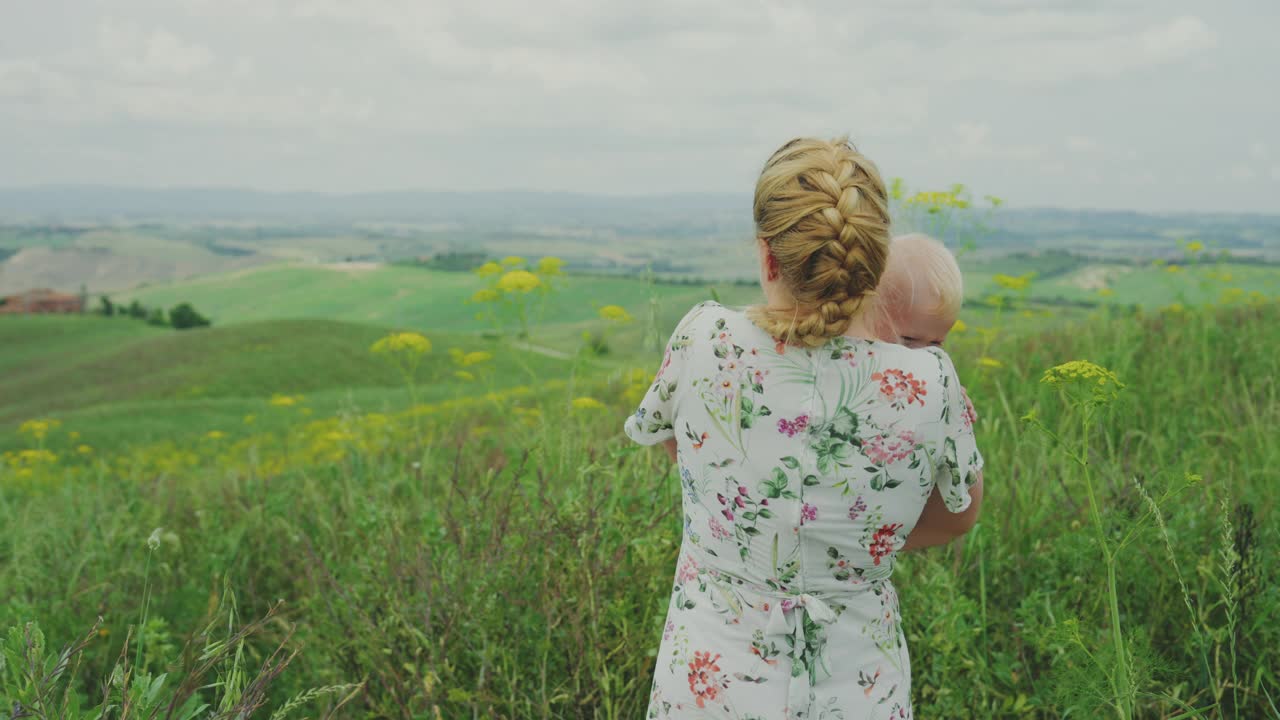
(824, 212)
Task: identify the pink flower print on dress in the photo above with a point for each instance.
(791, 428)
(717, 530)
(887, 449)
(900, 388)
(688, 570)
(808, 513)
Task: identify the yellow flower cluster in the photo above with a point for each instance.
(279, 400)
(25, 463)
(1010, 282)
(1103, 383)
(488, 269)
(521, 281)
(959, 326)
(616, 314)
(39, 429)
(410, 343)
(990, 362)
(467, 359)
(1194, 246)
(587, 403)
(935, 200)
(550, 266)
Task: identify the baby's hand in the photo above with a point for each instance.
(972, 415)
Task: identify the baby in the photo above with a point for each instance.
(919, 294)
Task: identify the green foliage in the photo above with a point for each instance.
(184, 317)
(106, 308)
(523, 572)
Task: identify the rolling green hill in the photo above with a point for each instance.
(116, 380)
(429, 300)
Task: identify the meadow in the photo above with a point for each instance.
(290, 513)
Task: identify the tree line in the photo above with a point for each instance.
(182, 316)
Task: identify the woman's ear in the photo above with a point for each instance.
(768, 263)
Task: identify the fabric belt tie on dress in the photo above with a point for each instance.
(813, 605)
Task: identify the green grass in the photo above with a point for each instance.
(479, 565)
(403, 296)
(118, 381)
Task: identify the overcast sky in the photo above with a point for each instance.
(1164, 105)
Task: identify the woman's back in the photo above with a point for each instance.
(803, 471)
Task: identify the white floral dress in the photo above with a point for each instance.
(803, 471)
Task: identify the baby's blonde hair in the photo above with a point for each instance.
(824, 212)
(920, 266)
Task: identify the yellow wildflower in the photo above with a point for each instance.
(279, 400)
(1173, 269)
(990, 362)
(84, 449)
(519, 281)
(587, 403)
(485, 295)
(464, 376)
(1103, 383)
(73, 435)
(410, 343)
(36, 456)
(1010, 282)
(514, 261)
(615, 313)
(1173, 308)
(489, 268)
(1195, 246)
(897, 188)
(38, 429)
(1106, 291)
(215, 434)
(250, 418)
(550, 266)
(959, 326)
(467, 359)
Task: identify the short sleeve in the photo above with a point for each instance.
(654, 421)
(957, 463)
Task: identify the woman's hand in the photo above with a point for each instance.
(670, 446)
(938, 525)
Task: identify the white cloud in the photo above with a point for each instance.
(1080, 143)
(585, 95)
(147, 54)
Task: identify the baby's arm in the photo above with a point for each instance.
(938, 526)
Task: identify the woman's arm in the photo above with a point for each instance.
(938, 525)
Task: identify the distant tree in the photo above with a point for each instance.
(136, 310)
(157, 318)
(183, 316)
(105, 306)
(84, 298)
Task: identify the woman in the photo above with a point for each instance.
(810, 455)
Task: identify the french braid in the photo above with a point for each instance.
(822, 208)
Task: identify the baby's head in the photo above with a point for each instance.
(920, 292)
